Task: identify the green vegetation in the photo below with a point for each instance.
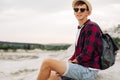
(56, 47)
(29, 46)
(117, 41)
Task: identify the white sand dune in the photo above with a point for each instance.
(25, 66)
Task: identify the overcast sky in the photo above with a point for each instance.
(50, 21)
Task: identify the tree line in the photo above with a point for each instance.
(117, 41)
(31, 46)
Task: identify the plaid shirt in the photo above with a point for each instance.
(89, 46)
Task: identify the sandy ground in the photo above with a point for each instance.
(25, 65)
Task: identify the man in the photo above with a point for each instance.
(84, 64)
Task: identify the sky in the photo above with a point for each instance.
(50, 21)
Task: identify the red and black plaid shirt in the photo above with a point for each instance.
(89, 46)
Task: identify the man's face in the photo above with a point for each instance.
(81, 12)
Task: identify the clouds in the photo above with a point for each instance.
(32, 25)
(107, 15)
(40, 5)
(99, 3)
(49, 21)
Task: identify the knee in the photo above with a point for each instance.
(47, 61)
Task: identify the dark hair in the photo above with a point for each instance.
(81, 3)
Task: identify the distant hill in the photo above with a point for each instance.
(115, 31)
(31, 46)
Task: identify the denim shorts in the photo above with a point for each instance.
(78, 72)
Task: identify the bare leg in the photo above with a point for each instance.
(51, 65)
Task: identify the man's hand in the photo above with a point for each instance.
(58, 74)
(75, 61)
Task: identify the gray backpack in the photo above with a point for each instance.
(107, 58)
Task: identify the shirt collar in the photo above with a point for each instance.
(79, 27)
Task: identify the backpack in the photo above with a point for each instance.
(108, 55)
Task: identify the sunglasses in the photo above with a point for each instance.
(81, 9)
